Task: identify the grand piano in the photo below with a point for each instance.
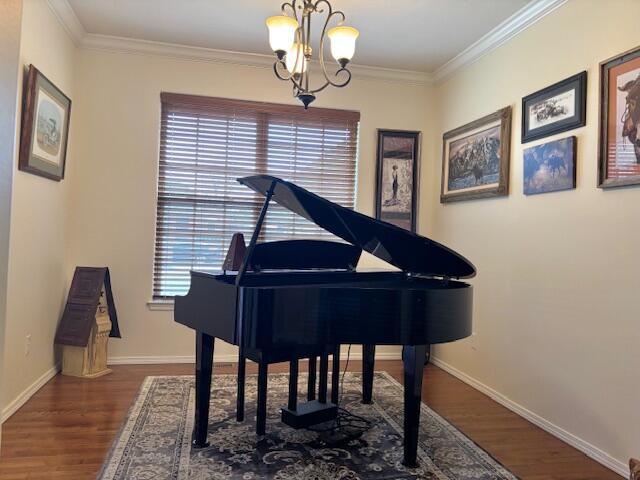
(423, 302)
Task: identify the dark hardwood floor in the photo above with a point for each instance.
(66, 429)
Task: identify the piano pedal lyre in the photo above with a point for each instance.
(313, 411)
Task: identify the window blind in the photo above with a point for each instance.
(207, 143)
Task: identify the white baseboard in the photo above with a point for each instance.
(21, 399)
(149, 360)
(585, 447)
(226, 358)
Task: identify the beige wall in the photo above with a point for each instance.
(555, 318)
(118, 143)
(10, 23)
(556, 314)
(38, 268)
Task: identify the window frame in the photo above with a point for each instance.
(209, 105)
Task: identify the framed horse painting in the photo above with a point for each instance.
(619, 152)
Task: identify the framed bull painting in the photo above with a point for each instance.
(619, 154)
(475, 159)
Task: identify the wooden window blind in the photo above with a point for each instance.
(207, 143)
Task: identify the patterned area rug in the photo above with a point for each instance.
(154, 442)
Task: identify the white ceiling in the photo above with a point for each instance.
(417, 35)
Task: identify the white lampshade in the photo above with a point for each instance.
(343, 43)
(295, 59)
(282, 31)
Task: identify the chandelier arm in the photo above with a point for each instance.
(285, 77)
(321, 54)
(329, 82)
(292, 6)
(300, 57)
(290, 77)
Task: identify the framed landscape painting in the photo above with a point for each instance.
(557, 108)
(45, 127)
(397, 177)
(475, 159)
(550, 167)
(619, 155)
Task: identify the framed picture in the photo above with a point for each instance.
(45, 127)
(619, 153)
(550, 167)
(555, 109)
(397, 177)
(475, 159)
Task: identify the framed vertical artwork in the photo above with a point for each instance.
(556, 108)
(45, 127)
(397, 177)
(619, 147)
(475, 159)
(550, 167)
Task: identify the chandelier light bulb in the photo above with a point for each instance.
(295, 60)
(282, 31)
(343, 43)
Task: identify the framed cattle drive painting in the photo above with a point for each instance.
(45, 127)
(397, 177)
(475, 159)
(619, 155)
(557, 108)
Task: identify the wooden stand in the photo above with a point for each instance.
(90, 361)
(88, 321)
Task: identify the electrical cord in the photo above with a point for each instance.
(346, 426)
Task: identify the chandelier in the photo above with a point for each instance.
(290, 40)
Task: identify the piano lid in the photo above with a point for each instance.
(406, 250)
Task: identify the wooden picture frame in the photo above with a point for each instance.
(476, 175)
(46, 113)
(619, 139)
(397, 177)
(555, 109)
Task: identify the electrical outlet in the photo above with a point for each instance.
(27, 345)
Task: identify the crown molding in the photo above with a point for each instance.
(512, 26)
(521, 20)
(90, 41)
(68, 19)
(111, 43)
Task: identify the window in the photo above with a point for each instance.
(207, 143)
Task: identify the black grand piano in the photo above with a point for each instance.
(305, 310)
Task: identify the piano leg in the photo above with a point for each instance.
(204, 369)
(413, 360)
(311, 386)
(242, 368)
(335, 375)
(261, 413)
(368, 363)
(324, 370)
(293, 385)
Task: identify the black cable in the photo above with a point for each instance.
(346, 426)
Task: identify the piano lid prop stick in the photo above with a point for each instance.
(256, 233)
